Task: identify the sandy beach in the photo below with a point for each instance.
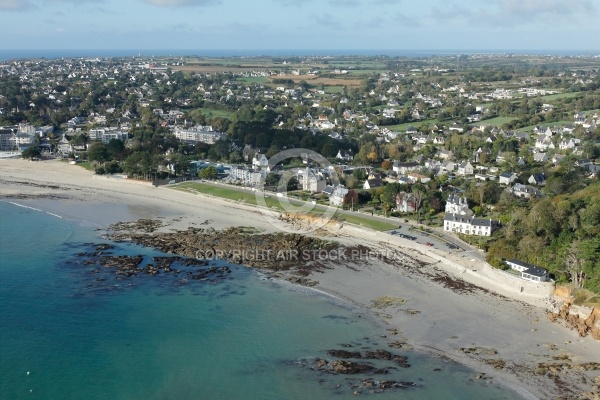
(423, 299)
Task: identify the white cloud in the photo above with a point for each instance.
(531, 8)
(182, 3)
(23, 5)
(511, 13)
(15, 5)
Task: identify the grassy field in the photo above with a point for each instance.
(498, 121)
(248, 197)
(254, 79)
(333, 89)
(562, 96)
(367, 223)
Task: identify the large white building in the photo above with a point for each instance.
(10, 140)
(204, 134)
(469, 225)
(106, 135)
(246, 176)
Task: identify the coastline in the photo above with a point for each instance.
(432, 317)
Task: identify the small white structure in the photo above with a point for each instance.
(529, 272)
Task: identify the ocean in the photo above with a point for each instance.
(11, 54)
(66, 334)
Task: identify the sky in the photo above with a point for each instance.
(301, 24)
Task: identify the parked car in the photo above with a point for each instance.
(429, 244)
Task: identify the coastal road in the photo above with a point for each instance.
(439, 239)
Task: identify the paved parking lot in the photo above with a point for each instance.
(446, 243)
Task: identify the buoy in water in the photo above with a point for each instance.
(27, 372)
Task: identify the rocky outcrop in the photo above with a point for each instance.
(272, 251)
(585, 320)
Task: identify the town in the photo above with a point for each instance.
(499, 150)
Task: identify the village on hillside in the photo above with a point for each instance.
(455, 143)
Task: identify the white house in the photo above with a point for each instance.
(525, 191)
(469, 225)
(344, 155)
(337, 196)
(260, 161)
(507, 178)
(405, 202)
(457, 205)
(537, 179)
(465, 168)
(405, 167)
(372, 184)
(529, 271)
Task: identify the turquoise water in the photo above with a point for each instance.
(242, 338)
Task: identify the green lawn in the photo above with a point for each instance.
(366, 222)
(87, 165)
(333, 89)
(272, 202)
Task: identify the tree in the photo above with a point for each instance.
(98, 152)
(31, 152)
(208, 173)
(115, 149)
(574, 265)
(351, 199)
(372, 157)
(272, 179)
(388, 195)
(387, 165)
(418, 195)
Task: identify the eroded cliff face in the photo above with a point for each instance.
(585, 320)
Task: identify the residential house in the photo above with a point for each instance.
(469, 225)
(465, 168)
(508, 178)
(540, 157)
(344, 155)
(568, 144)
(405, 167)
(405, 202)
(529, 271)
(525, 191)
(445, 155)
(457, 205)
(337, 196)
(372, 184)
(260, 161)
(538, 179)
(311, 182)
(544, 143)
